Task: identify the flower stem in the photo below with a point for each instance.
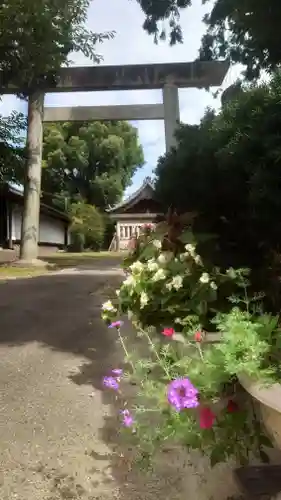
(156, 354)
(122, 343)
(125, 349)
(200, 351)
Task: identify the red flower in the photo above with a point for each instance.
(207, 418)
(147, 227)
(232, 406)
(168, 332)
(198, 337)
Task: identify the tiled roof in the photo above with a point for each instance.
(146, 183)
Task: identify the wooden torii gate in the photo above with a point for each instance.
(168, 76)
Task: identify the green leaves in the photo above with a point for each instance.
(12, 154)
(246, 32)
(94, 161)
(225, 173)
(54, 29)
(247, 343)
(87, 226)
(162, 18)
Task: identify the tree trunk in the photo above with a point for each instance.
(32, 184)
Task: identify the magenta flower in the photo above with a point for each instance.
(117, 372)
(116, 324)
(127, 418)
(111, 383)
(168, 332)
(207, 418)
(182, 394)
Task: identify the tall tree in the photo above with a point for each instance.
(34, 43)
(224, 171)
(12, 155)
(93, 161)
(245, 31)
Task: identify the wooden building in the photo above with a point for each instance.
(53, 225)
(130, 215)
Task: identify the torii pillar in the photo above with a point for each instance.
(171, 114)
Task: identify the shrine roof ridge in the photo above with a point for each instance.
(147, 182)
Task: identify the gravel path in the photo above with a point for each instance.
(58, 430)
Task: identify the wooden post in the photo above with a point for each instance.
(10, 226)
(66, 236)
(32, 185)
(117, 248)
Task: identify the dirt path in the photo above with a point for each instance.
(58, 430)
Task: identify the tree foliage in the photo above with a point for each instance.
(93, 161)
(247, 32)
(36, 42)
(227, 169)
(159, 13)
(11, 147)
(87, 226)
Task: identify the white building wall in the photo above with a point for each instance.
(16, 223)
(125, 231)
(51, 230)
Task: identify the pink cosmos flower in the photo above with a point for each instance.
(110, 383)
(206, 418)
(168, 332)
(127, 418)
(148, 227)
(116, 324)
(182, 394)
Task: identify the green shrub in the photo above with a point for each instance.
(87, 226)
(188, 390)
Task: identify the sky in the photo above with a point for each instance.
(132, 45)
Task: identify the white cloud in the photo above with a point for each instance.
(132, 45)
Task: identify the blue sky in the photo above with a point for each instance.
(132, 45)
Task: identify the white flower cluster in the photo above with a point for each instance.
(108, 310)
(108, 306)
(152, 265)
(176, 283)
(205, 279)
(191, 253)
(157, 244)
(137, 267)
(144, 299)
(156, 270)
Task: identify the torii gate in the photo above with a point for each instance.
(168, 76)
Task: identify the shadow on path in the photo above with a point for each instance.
(63, 312)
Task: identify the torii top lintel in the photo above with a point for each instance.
(200, 74)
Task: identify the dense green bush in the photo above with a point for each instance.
(228, 170)
(87, 227)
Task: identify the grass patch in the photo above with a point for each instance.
(85, 255)
(58, 261)
(8, 271)
(69, 259)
